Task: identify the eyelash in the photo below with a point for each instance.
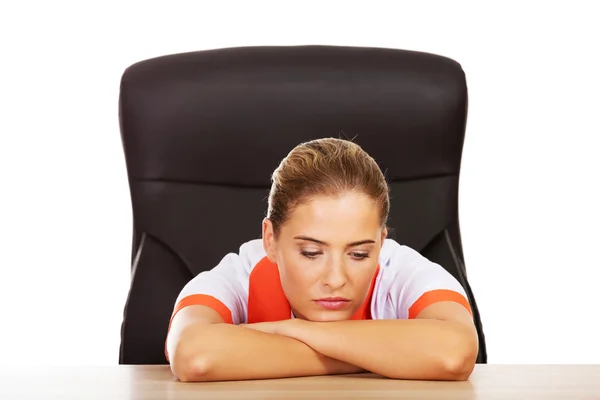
(313, 254)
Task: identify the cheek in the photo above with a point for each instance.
(296, 276)
(361, 277)
(364, 279)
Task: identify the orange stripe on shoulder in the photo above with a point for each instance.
(199, 300)
(204, 300)
(436, 296)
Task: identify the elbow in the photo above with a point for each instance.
(190, 367)
(458, 368)
(459, 362)
(194, 370)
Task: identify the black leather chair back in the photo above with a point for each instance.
(203, 131)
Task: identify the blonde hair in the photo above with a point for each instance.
(326, 167)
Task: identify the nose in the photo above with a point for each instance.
(335, 277)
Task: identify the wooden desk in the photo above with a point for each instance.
(156, 382)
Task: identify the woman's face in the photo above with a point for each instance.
(327, 253)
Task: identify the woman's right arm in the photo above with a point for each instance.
(204, 348)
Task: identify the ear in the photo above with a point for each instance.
(384, 234)
(268, 238)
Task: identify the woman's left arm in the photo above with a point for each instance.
(441, 343)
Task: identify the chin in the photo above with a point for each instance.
(328, 316)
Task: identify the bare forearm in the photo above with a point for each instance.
(228, 352)
(402, 349)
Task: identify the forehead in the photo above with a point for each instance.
(349, 216)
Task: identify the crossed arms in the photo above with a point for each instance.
(439, 344)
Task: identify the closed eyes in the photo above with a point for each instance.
(314, 254)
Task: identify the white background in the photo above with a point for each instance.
(529, 200)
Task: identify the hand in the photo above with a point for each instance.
(300, 330)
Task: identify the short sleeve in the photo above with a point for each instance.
(221, 288)
(421, 283)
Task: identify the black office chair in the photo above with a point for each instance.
(203, 131)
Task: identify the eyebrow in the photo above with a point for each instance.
(352, 244)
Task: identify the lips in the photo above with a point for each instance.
(334, 303)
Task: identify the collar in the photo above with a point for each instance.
(267, 302)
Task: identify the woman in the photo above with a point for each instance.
(323, 291)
